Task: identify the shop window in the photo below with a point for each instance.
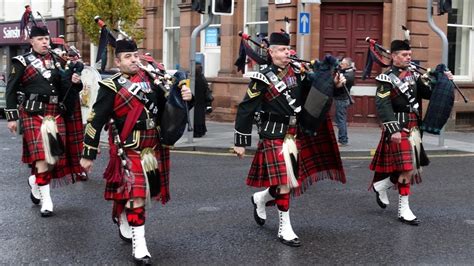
(212, 34)
(255, 24)
(461, 40)
(171, 35)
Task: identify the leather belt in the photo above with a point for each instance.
(285, 119)
(51, 99)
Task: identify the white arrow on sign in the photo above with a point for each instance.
(304, 21)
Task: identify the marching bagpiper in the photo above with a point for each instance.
(131, 105)
(287, 160)
(400, 153)
(41, 77)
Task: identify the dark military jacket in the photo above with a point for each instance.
(26, 78)
(263, 97)
(115, 101)
(390, 99)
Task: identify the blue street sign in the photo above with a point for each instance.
(304, 23)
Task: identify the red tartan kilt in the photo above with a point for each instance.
(268, 166)
(394, 157)
(33, 149)
(318, 159)
(74, 138)
(319, 155)
(116, 191)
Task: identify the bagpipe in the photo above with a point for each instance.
(442, 96)
(176, 112)
(321, 73)
(65, 67)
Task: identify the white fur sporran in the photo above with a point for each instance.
(149, 164)
(289, 149)
(415, 143)
(49, 126)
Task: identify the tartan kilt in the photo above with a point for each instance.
(74, 138)
(268, 166)
(319, 157)
(119, 191)
(393, 157)
(33, 149)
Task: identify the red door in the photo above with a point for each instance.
(344, 28)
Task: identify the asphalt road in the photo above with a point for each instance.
(209, 218)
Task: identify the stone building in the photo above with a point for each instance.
(338, 27)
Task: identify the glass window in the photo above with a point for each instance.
(212, 37)
(256, 24)
(460, 38)
(171, 35)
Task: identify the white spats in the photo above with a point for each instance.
(140, 250)
(260, 199)
(124, 227)
(34, 188)
(404, 211)
(46, 202)
(285, 231)
(381, 188)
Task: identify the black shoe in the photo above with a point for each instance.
(414, 222)
(257, 218)
(379, 202)
(46, 213)
(142, 261)
(34, 200)
(292, 243)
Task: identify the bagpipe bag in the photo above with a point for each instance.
(441, 102)
(174, 119)
(319, 99)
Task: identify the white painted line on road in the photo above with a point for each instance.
(470, 222)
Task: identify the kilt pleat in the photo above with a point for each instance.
(394, 158)
(318, 159)
(33, 149)
(119, 191)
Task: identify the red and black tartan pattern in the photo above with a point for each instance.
(31, 72)
(318, 159)
(124, 103)
(272, 91)
(33, 149)
(136, 216)
(268, 166)
(74, 138)
(117, 191)
(391, 157)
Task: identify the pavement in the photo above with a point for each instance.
(362, 141)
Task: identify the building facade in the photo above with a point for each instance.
(336, 27)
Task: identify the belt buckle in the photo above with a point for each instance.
(150, 123)
(292, 120)
(53, 99)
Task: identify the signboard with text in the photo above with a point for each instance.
(10, 32)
